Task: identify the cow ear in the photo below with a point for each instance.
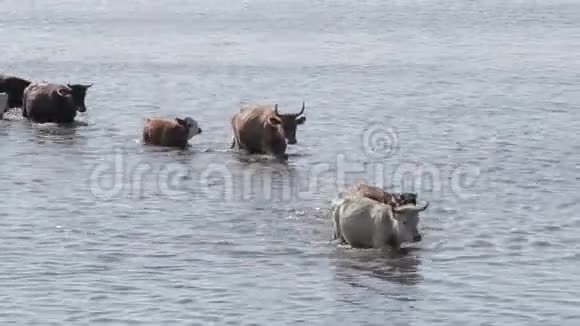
(274, 121)
(181, 122)
(61, 92)
(301, 120)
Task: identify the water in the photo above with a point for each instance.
(481, 96)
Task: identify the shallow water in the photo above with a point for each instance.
(479, 98)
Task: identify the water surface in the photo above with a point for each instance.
(481, 97)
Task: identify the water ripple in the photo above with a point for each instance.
(466, 85)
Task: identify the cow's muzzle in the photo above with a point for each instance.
(417, 238)
(291, 141)
(82, 109)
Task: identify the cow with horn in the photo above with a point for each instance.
(262, 129)
(44, 102)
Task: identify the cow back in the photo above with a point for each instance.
(375, 193)
(363, 222)
(253, 132)
(164, 132)
(42, 103)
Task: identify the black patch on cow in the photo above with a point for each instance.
(407, 198)
(14, 87)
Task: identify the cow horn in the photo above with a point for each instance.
(410, 208)
(276, 109)
(301, 111)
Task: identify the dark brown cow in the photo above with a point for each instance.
(378, 194)
(261, 129)
(14, 87)
(170, 132)
(45, 102)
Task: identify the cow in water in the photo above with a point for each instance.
(261, 129)
(362, 222)
(46, 102)
(14, 88)
(170, 132)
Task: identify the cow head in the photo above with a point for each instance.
(79, 92)
(289, 122)
(190, 125)
(408, 218)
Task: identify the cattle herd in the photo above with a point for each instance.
(363, 216)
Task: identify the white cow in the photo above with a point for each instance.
(365, 223)
(3, 104)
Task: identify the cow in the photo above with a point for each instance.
(3, 104)
(170, 132)
(261, 129)
(362, 222)
(378, 194)
(47, 102)
(14, 87)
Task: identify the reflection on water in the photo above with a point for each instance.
(66, 134)
(397, 266)
(265, 159)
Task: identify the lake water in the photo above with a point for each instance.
(474, 105)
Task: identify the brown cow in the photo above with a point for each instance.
(14, 87)
(378, 194)
(44, 102)
(170, 132)
(261, 129)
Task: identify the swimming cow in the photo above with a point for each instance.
(362, 222)
(170, 132)
(261, 129)
(14, 88)
(46, 102)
